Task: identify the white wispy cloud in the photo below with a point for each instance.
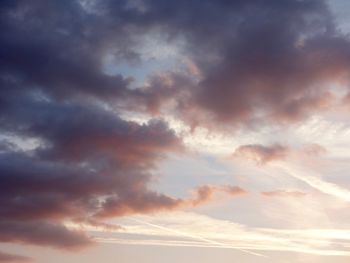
(196, 230)
(309, 177)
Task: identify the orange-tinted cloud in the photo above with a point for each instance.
(88, 155)
(283, 193)
(204, 194)
(275, 67)
(152, 202)
(262, 154)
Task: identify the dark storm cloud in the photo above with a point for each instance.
(255, 59)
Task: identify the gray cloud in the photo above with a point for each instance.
(259, 61)
(6, 257)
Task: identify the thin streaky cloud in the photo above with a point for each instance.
(209, 241)
(174, 229)
(174, 243)
(315, 182)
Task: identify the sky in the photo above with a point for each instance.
(165, 131)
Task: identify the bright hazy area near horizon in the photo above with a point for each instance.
(175, 131)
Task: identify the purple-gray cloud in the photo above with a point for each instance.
(259, 62)
(6, 257)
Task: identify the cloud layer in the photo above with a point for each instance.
(68, 150)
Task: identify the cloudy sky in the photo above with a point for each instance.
(174, 131)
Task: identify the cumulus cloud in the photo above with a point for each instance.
(90, 164)
(254, 62)
(283, 78)
(273, 66)
(75, 171)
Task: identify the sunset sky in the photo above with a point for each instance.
(152, 131)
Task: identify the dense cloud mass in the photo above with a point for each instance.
(67, 152)
(258, 61)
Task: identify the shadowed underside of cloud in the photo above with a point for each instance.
(254, 60)
(42, 233)
(154, 202)
(5, 257)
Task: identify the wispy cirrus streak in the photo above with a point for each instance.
(195, 230)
